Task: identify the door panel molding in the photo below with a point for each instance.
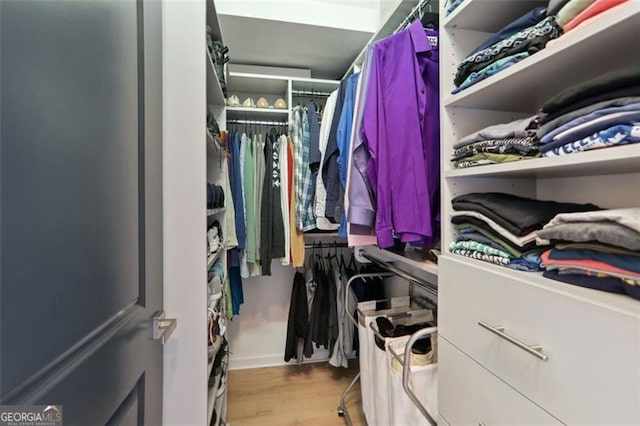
(58, 369)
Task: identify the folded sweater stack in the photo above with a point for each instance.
(500, 228)
(598, 249)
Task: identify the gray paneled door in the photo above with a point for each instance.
(81, 207)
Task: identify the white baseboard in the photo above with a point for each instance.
(275, 360)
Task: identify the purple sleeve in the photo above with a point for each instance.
(373, 129)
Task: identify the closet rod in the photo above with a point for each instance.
(424, 285)
(309, 93)
(414, 12)
(263, 123)
(326, 245)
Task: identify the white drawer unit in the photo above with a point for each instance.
(470, 395)
(573, 351)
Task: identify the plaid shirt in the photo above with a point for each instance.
(305, 179)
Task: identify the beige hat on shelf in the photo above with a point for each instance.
(262, 103)
(281, 104)
(233, 101)
(249, 103)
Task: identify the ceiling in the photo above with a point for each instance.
(328, 52)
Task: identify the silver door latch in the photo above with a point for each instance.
(162, 327)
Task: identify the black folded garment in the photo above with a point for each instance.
(614, 80)
(518, 215)
(215, 196)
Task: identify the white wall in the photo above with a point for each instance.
(184, 168)
(354, 15)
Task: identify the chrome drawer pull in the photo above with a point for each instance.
(534, 350)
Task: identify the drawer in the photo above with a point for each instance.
(470, 395)
(591, 338)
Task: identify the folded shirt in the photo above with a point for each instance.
(518, 215)
(587, 265)
(614, 80)
(570, 10)
(478, 246)
(617, 135)
(592, 10)
(602, 248)
(522, 128)
(467, 230)
(489, 70)
(522, 146)
(551, 125)
(624, 262)
(484, 158)
(596, 282)
(521, 242)
(473, 254)
(618, 227)
(582, 127)
(629, 217)
(527, 20)
(529, 40)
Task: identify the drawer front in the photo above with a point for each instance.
(470, 395)
(592, 374)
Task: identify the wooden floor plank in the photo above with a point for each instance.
(306, 395)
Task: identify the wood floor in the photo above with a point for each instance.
(306, 395)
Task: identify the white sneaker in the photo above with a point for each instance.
(214, 240)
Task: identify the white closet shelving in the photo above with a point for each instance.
(591, 338)
(216, 398)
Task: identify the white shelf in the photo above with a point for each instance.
(391, 22)
(214, 90)
(613, 301)
(240, 82)
(244, 113)
(212, 20)
(213, 212)
(612, 160)
(211, 259)
(314, 84)
(494, 14)
(524, 86)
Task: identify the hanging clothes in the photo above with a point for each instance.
(297, 236)
(285, 178)
(330, 173)
(266, 208)
(320, 197)
(343, 141)
(305, 185)
(360, 200)
(298, 322)
(401, 128)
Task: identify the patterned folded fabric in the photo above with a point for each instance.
(474, 245)
(529, 40)
(489, 235)
(484, 158)
(523, 146)
(622, 134)
(489, 70)
(496, 260)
